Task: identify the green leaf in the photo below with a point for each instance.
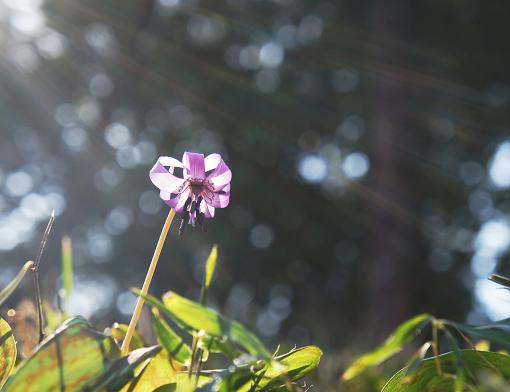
(502, 280)
(291, 367)
(195, 317)
(7, 351)
(238, 380)
(71, 357)
(185, 383)
(171, 342)
(67, 270)
(7, 291)
(270, 375)
(220, 345)
(460, 376)
(119, 331)
(393, 344)
(491, 332)
(474, 363)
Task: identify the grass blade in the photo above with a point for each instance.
(210, 267)
(499, 279)
(35, 275)
(417, 359)
(67, 271)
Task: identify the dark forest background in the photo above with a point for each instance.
(368, 142)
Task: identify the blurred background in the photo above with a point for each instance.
(369, 143)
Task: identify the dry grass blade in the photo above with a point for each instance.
(44, 239)
(35, 275)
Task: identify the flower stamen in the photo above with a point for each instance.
(185, 216)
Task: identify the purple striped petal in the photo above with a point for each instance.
(207, 210)
(219, 200)
(168, 199)
(163, 179)
(212, 161)
(194, 165)
(165, 195)
(169, 161)
(177, 203)
(221, 176)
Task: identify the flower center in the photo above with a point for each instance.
(197, 186)
(200, 189)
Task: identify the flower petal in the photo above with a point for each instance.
(169, 161)
(168, 199)
(221, 176)
(165, 195)
(194, 165)
(163, 179)
(219, 200)
(212, 161)
(207, 210)
(177, 203)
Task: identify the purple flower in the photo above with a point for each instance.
(204, 187)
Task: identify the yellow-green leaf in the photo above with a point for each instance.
(155, 374)
(7, 291)
(393, 344)
(195, 317)
(70, 358)
(118, 373)
(475, 364)
(288, 368)
(171, 342)
(119, 331)
(298, 363)
(7, 351)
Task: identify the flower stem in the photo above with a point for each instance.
(147, 282)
